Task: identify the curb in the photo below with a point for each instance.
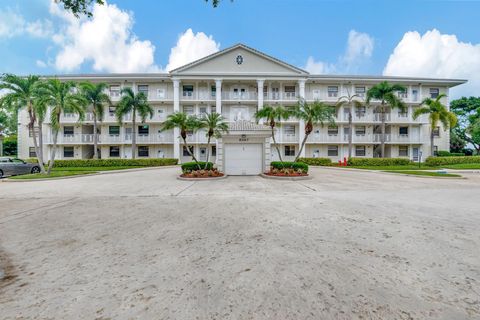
(265, 176)
(202, 179)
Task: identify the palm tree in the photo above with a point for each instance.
(61, 97)
(272, 115)
(215, 125)
(131, 103)
(386, 93)
(185, 123)
(351, 101)
(437, 112)
(22, 92)
(312, 114)
(97, 98)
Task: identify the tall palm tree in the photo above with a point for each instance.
(22, 92)
(272, 115)
(386, 94)
(131, 103)
(312, 114)
(97, 99)
(184, 123)
(215, 125)
(437, 112)
(61, 97)
(351, 101)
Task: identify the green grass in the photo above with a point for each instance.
(94, 168)
(425, 173)
(53, 174)
(405, 167)
(462, 166)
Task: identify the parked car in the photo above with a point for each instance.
(12, 166)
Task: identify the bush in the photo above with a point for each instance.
(442, 153)
(378, 162)
(193, 166)
(316, 161)
(290, 165)
(438, 161)
(151, 162)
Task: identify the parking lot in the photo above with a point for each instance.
(144, 245)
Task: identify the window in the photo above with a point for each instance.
(114, 130)
(68, 152)
(31, 152)
(403, 131)
(403, 94)
(360, 151)
(414, 94)
(188, 91)
(435, 150)
(111, 111)
(143, 89)
(360, 130)
(360, 111)
(185, 151)
(316, 94)
(403, 151)
(436, 132)
(114, 151)
(289, 129)
(143, 130)
(161, 93)
(30, 132)
(332, 130)
(188, 109)
(346, 131)
(143, 151)
(434, 92)
(332, 151)
(203, 111)
(213, 91)
(214, 151)
(68, 131)
(360, 91)
(114, 91)
(289, 151)
(290, 91)
(213, 109)
(332, 91)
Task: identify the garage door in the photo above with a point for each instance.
(243, 159)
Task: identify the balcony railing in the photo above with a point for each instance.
(239, 96)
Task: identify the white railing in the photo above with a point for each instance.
(239, 95)
(149, 138)
(330, 138)
(290, 96)
(359, 138)
(77, 138)
(378, 117)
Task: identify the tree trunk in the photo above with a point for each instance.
(190, 153)
(31, 127)
(53, 152)
(432, 147)
(95, 137)
(40, 147)
(134, 135)
(382, 138)
(301, 146)
(350, 131)
(208, 151)
(276, 145)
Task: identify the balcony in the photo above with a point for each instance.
(325, 138)
(149, 138)
(239, 96)
(285, 138)
(78, 138)
(359, 138)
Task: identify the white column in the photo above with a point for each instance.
(260, 83)
(218, 95)
(176, 108)
(301, 129)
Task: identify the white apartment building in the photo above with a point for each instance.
(236, 82)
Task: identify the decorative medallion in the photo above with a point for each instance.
(239, 59)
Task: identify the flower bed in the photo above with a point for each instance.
(201, 174)
(286, 172)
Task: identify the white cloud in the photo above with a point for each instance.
(359, 49)
(41, 64)
(106, 40)
(190, 47)
(14, 24)
(437, 55)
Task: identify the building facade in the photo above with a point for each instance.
(236, 82)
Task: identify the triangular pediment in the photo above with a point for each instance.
(239, 59)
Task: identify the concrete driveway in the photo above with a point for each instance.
(143, 245)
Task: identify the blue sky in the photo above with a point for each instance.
(33, 36)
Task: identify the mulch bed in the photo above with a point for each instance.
(286, 174)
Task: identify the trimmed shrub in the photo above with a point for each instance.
(442, 153)
(438, 161)
(193, 166)
(290, 165)
(359, 162)
(150, 162)
(316, 161)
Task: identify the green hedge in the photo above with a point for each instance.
(289, 165)
(192, 166)
(438, 161)
(450, 154)
(378, 162)
(316, 161)
(151, 162)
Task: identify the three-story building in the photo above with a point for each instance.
(236, 82)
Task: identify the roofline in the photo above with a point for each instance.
(239, 45)
(418, 80)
